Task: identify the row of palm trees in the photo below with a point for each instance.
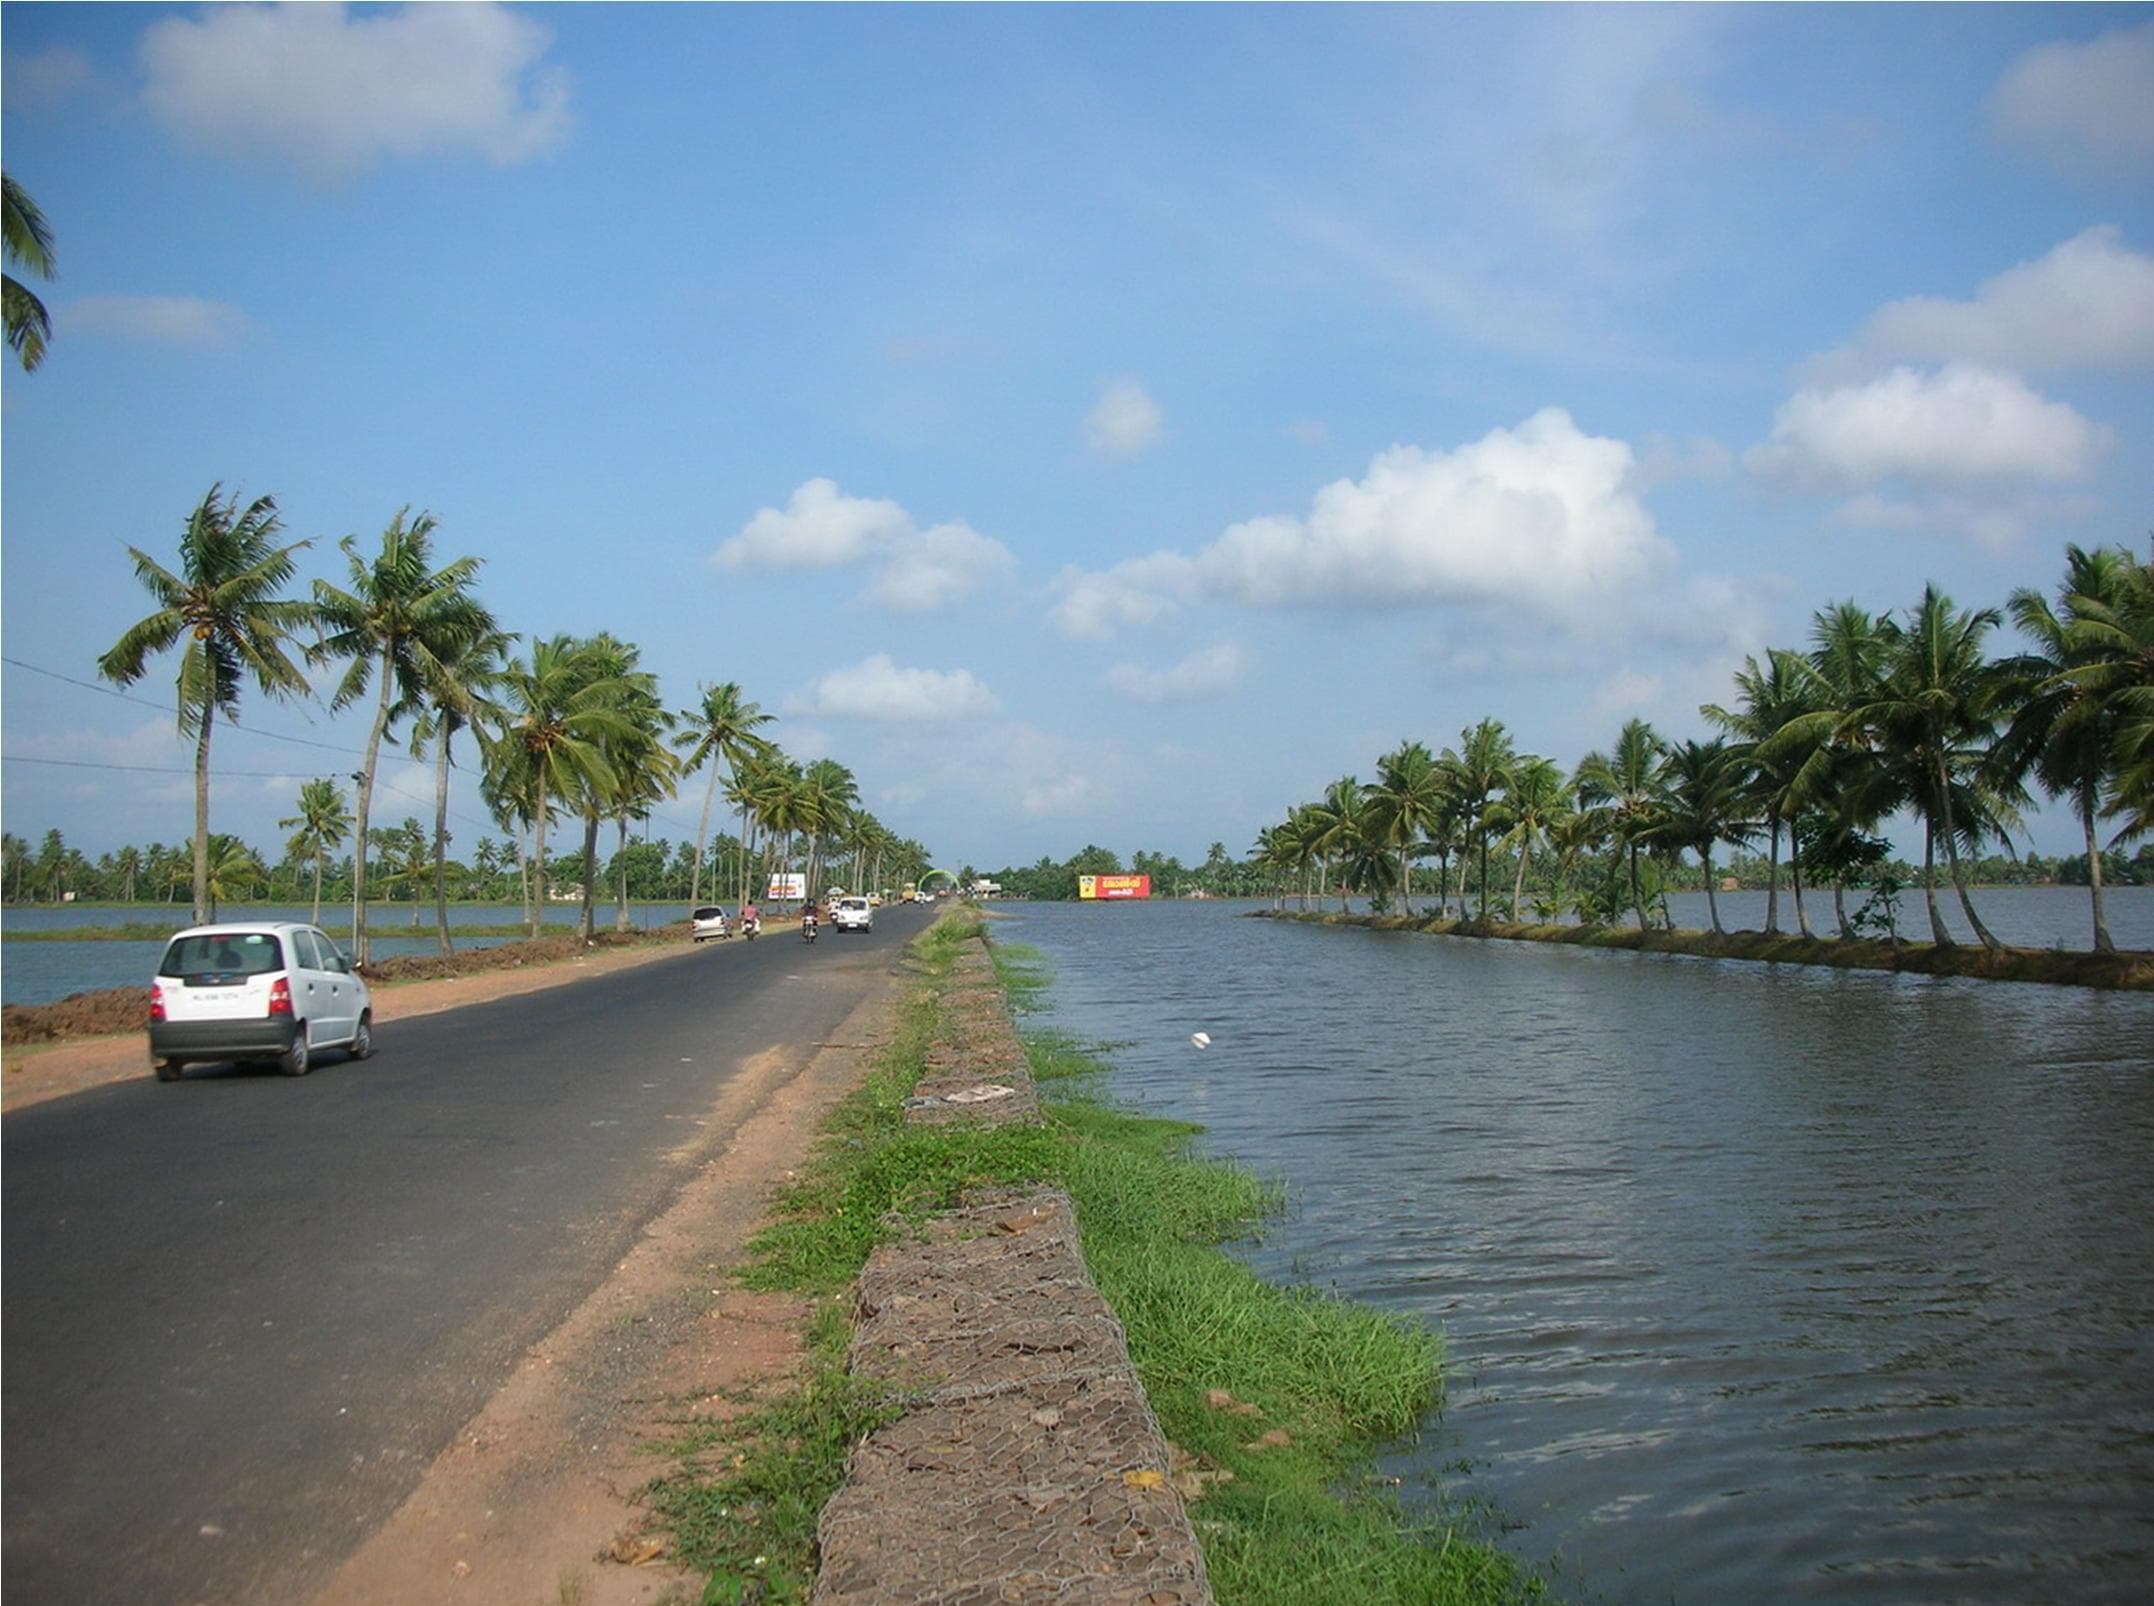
(1879, 716)
(573, 729)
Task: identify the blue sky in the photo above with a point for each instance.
(1101, 424)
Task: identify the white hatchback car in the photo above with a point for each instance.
(256, 990)
(852, 914)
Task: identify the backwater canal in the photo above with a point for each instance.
(1759, 1283)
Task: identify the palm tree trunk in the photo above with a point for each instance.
(1952, 860)
(366, 799)
(1518, 883)
(584, 919)
(538, 863)
(1637, 890)
(620, 897)
(441, 841)
(317, 884)
(1712, 894)
(2103, 942)
(703, 833)
(201, 812)
(1802, 915)
(1839, 907)
(1772, 873)
(1938, 935)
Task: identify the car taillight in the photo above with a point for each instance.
(157, 1002)
(280, 996)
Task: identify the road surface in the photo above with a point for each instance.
(243, 1313)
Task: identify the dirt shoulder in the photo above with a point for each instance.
(47, 1070)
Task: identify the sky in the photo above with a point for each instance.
(1091, 425)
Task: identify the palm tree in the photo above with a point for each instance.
(562, 710)
(1843, 787)
(399, 620)
(1402, 803)
(1776, 697)
(828, 795)
(28, 243)
(233, 872)
(1480, 767)
(321, 824)
(2066, 725)
(1628, 782)
(1336, 824)
(719, 729)
(1708, 801)
(459, 690)
(2115, 639)
(223, 605)
(1934, 719)
(1536, 802)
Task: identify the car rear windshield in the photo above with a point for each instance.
(235, 954)
(705, 914)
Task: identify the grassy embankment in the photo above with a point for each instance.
(2126, 971)
(1299, 1522)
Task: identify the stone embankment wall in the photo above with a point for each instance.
(1029, 1466)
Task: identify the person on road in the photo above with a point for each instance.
(751, 918)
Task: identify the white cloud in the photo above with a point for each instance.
(2082, 106)
(1997, 522)
(331, 93)
(877, 688)
(2089, 303)
(820, 527)
(1963, 423)
(1543, 517)
(169, 320)
(1125, 421)
(1210, 672)
(939, 566)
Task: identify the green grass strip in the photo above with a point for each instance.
(1289, 1512)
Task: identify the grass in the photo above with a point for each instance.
(1227, 1359)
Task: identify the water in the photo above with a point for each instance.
(1759, 1283)
(42, 972)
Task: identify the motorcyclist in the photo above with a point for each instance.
(751, 918)
(808, 921)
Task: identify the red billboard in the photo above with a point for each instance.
(1114, 886)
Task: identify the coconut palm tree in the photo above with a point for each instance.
(322, 823)
(2066, 724)
(233, 872)
(719, 731)
(562, 709)
(1402, 803)
(224, 610)
(394, 626)
(1708, 800)
(1337, 827)
(1777, 695)
(2115, 638)
(828, 795)
(28, 244)
(1480, 767)
(1933, 720)
(1536, 802)
(459, 694)
(1628, 782)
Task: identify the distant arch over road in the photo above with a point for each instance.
(932, 874)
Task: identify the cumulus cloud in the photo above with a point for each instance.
(166, 320)
(2082, 106)
(1210, 672)
(936, 567)
(1998, 522)
(1543, 516)
(1125, 421)
(1962, 423)
(820, 527)
(2089, 303)
(331, 93)
(877, 688)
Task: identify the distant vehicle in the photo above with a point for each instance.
(708, 921)
(852, 914)
(923, 896)
(258, 990)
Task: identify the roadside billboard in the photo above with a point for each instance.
(1114, 886)
(787, 889)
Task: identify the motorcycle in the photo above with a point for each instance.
(749, 928)
(807, 928)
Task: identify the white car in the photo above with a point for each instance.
(256, 990)
(708, 921)
(852, 914)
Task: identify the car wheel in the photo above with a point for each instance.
(362, 1043)
(167, 1070)
(295, 1060)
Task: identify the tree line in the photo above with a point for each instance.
(567, 729)
(1877, 716)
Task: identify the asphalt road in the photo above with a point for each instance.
(242, 1313)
